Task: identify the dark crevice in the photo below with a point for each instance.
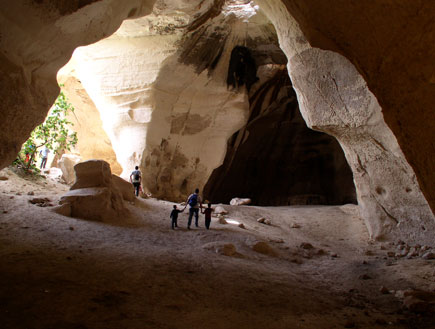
(242, 69)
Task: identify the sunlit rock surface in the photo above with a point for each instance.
(93, 142)
(160, 84)
(37, 39)
(66, 164)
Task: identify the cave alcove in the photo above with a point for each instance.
(275, 159)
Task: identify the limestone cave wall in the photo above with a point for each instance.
(159, 85)
(36, 39)
(334, 98)
(391, 45)
(93, 141)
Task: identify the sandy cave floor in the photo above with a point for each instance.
(61, 272)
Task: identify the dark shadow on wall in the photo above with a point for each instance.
(242, 69)
(277, 160)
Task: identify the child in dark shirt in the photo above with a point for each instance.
(174, 216)
(207, 212)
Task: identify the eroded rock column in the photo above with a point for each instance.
(334, 98)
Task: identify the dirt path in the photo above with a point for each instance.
(61, 272)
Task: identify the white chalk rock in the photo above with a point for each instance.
(239, 201)
(261, 220)
(55, 173)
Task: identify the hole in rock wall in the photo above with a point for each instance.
(276, 159)
(242, 68)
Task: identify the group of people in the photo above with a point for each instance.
(193, 201)
(195, 204)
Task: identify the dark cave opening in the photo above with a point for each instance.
(276, 159)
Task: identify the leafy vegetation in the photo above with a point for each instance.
(54, 133)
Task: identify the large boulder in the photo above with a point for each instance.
(92, 173)
(95, 195)
(66, 164)
(42, 36)
(94, 203)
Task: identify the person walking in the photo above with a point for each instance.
(136, 179)
(207, 212)
(44, 153)
(194, 202)
(174, 216)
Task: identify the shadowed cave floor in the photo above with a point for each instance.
(61, 272)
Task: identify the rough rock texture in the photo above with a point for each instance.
(93, 142)
(391, 45)
(95, 194)
(167, 108)
(334, 98)
(66, 164)
(37, 39)
(275, 159)
(92, 173)
(124, 187)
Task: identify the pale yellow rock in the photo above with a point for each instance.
(93, 142)
(66, 164)
(92, 173)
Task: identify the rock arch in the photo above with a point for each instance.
(334, 98)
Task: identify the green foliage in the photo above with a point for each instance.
(54, 133)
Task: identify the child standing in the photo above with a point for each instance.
(174, 216)
(207, 213)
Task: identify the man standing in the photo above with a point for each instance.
(194, 202)
(135, 179)
(44, 153)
